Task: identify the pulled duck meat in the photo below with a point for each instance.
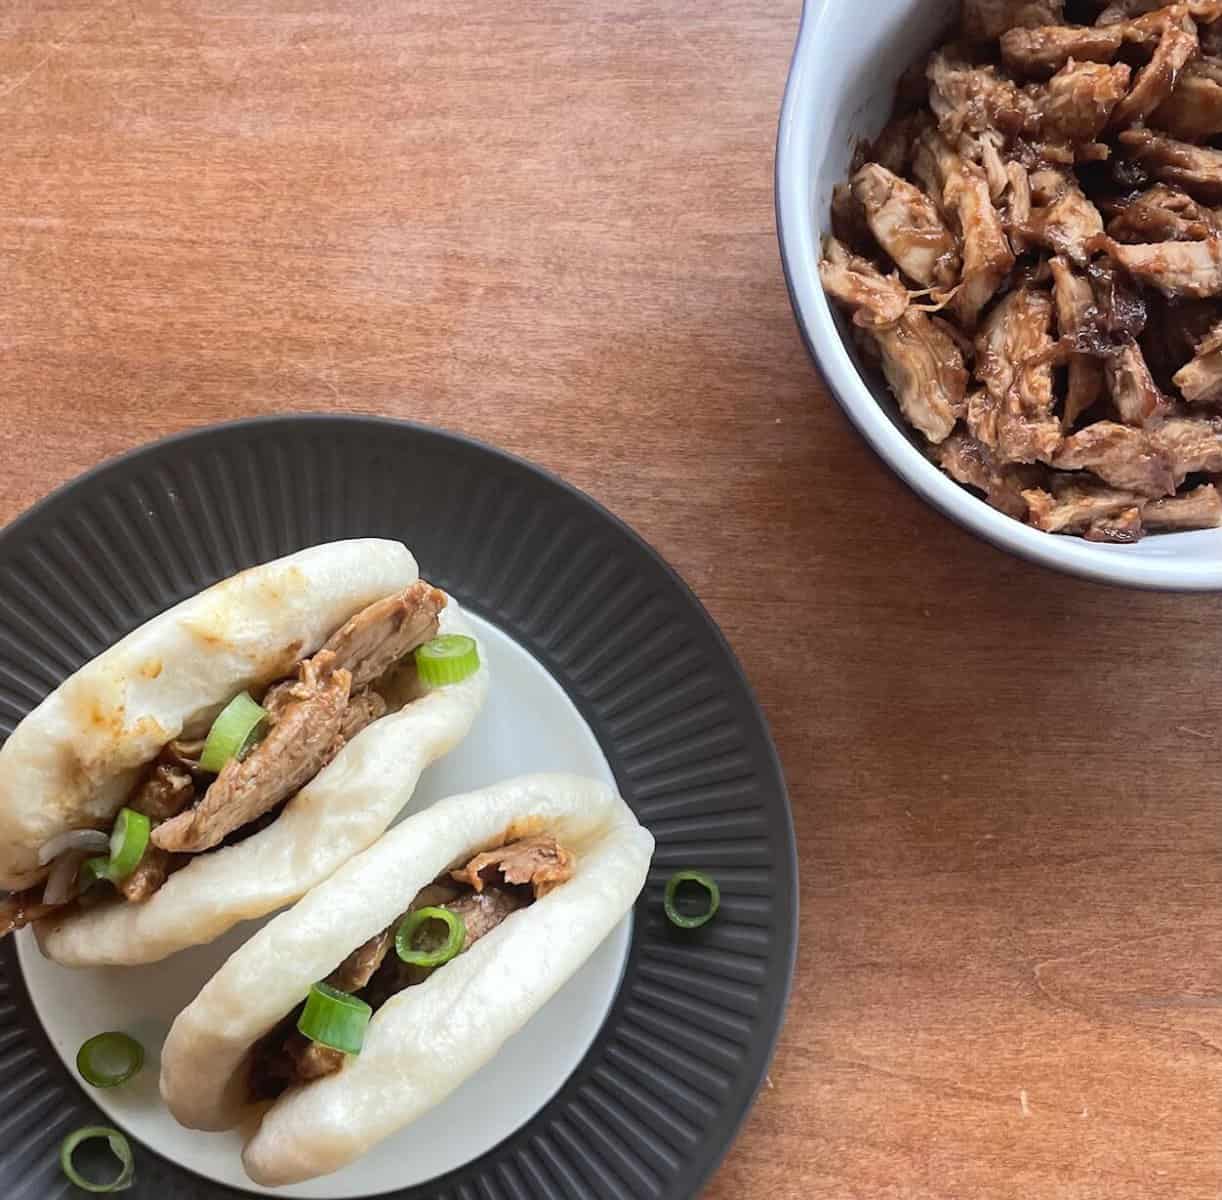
(1045, 190)
(310, 718)
(332, 696)
(293, 752)
(487, 890)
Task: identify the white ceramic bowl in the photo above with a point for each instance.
(849, 56)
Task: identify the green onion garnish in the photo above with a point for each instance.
(671, 900)
(335, 1019)
(118, 1144)
(414, 922)
(93, 870)
(109, 1059)
(447, 659)
(128, 841)
(232, 732)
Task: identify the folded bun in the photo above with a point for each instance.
(424, 1041)
(343, 809)
(72, 761)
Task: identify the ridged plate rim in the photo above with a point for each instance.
(527, 1154)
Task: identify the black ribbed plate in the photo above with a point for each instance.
(657, 1100)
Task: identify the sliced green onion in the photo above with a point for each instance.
(109, 1059)
(128, 841)
(93, 870)
(414, 922)
(334, 1018)
(232, 732)
(118, 1144)
(671, 900)
(447, 659)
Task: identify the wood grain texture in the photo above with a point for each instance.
(550, 225)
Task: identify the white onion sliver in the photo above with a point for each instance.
(87, 841)
(61, 883)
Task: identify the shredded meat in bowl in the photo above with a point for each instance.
(1030, 253)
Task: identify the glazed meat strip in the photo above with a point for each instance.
(874, 300)
(1156, 81)
(1074, 300)
(1119, 314)
(972, 463)
(973, 99)
(358, 968)
(380, 635)
(165, 793)
(1163, 214)
(984, 150)
(1126, 458)
(1079, 505)
(1195, 169)
(362, 710)
(1014, 362)
(1041, 51)
(977, 102)
(1062, 218)
(923, 365)
(907, 225)
(540, 862)
(1192, 269)
(1191, 444)
(1080, 101)
(150, 873)
(1126, 527)
(1047, 195)
(919, 359)
(1200, 508)
(1135, 395)
(1193, 111)
(292, 753)
(1200, 381)
(1017, 206)
(963, 189)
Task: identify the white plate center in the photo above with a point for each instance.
(528, 724)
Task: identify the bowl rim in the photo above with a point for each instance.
(800, 240)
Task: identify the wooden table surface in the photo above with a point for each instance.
(550, 225)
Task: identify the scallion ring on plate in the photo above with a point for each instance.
(414, 922)
(109, 1059)
(128, 841)
(121, 1148)
(671, 900)
(334, 1018)
(232, 733)
(449, 658)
